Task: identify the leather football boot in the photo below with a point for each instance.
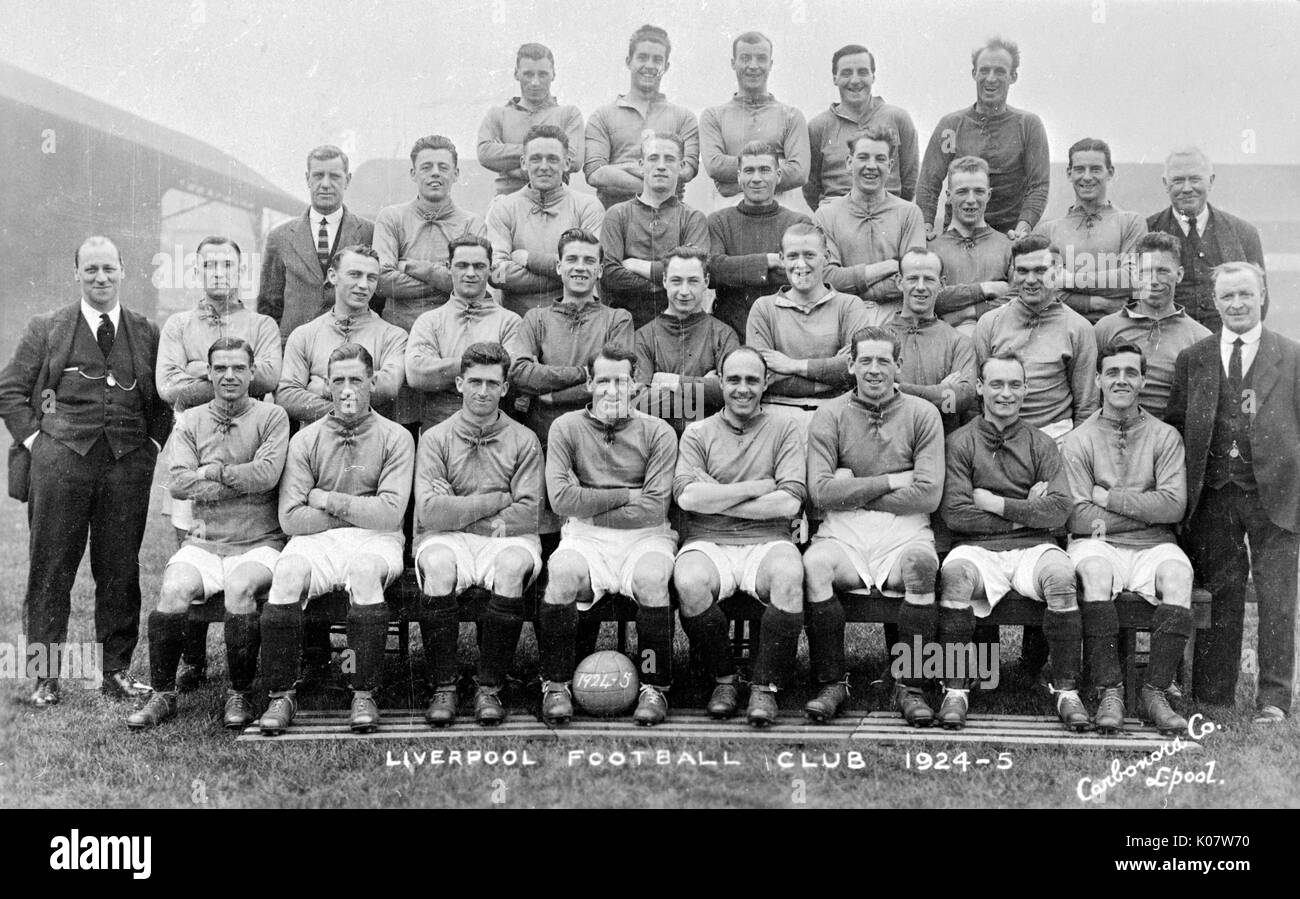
(279, 714)
(156, 709)
(557, 702)
(488, 709)
(442, 706)
(365, 713)
(1071, 711)
(762, 709)
(46, 693)
(722, 704)
(826, 704)
(952, 711)
(1154, 708)
(911, 702)
(120, 685)
(1110, 710)
(652, 707)
(239, 710)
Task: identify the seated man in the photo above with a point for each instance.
(875, 469)
(1128, 479)
(1004, 492)
(868, 230)
(559, 342)
(975, 256)
(740, 481)
(609, 472)
(1096, 237)
(637, 233)
(439, 337)
(304, 386)
(226, 457)
(803, 330)
(478, 487)
(745, 240)
(346, 485)
(1153, 320)
(524, 226)
(678, 354)
(938, 361)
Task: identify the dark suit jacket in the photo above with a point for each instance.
(1238, 239)
(42, 355)
(293, 289)
(1275, 429)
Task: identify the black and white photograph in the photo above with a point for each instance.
(779, 404)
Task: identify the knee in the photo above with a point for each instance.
(1056, 585)
(177, 593)
(786, 581)
(959, 582)
(291, 579)
(513, 566)
(650, 580)
(438, 570)
(1097, 578)
(365, 581)
(818, 567)
(691, 579)
(564, 578)
(920, 566)
(1174, 584)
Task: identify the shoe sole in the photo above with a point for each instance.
(920, 722)
(818, 717)
(952, 725)
(447, 723)
(369, 728)
(761, 722)
(237, 725)
(720, 715)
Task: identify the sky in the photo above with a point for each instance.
(267, 81)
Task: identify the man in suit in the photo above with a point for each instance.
(1236, 402)
(294, 289)
(79, 395)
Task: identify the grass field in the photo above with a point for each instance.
(80, 754)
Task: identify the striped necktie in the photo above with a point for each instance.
(323, 243)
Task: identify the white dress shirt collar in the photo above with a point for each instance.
(91, 315)
(1249, 347)
(1202, 218)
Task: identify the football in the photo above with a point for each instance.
(605, 683)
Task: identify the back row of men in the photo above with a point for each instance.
(857, 164)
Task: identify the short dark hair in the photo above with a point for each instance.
(750, 37)
(216, 240)
(919, 251)
(326, 152)
(1159, 242)
(761, 148)
(804, 229)
(662, 135)
(743, 348)
(485, 352)
(435, 142)
(94, 239)
(685, 252)
(231, 343)
(534, 51)
(359, 248)
(649, 33)
(850, 50)
(1002, 357)
(616, 352)
(874, 332)
(1033, 243)
(1116, 349)
(548, 132)
(882, 133)
(578, 235)
(998, 43)
(1089, 144)
(347, 351)
(468, 240)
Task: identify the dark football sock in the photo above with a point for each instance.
(440, 631)
(654, 645)
(777, 646)
(196, 644)
(243, 637)
(501, 624)
(915, 621)
(367, 636)
(956, 627)
(1170, 628)
(1064, 631)
(555, 649)
(707, 633)
(166, 642)
(1101, 642)
(281, 646)
(825, 624)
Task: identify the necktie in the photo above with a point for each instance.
(105, 334)
(1234, 367)
(323, 244)
(1193, 239)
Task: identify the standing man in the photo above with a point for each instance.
(975, 257)
(609, 473)
(1128, 480)
(79, 397)
(478, 489)
(638, 233)
(803, 330)
(745, 239)
(1096, 238)
(740, 481)
(1004, 491)
(938, 362)
(1012, 141)
(868, 230)
(853, 72)
(1216, 238)
(439, 337)
(304, 378)
(524, 226)
(751, 115)
(1054, 343)
(876, 532)
(1153, 320)
(1234, 401)
(615, 132)
(227, 456)
(501, 137)
(347, 481)
(294, 288)
(559, 342)
(412, 238)
(680, 353)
